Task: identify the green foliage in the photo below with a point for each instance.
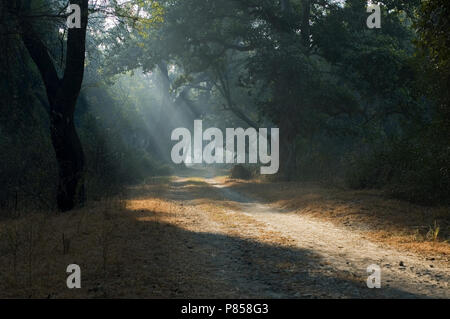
(433, 26)
(367, 105)
(111, 162)
(434, 43)
(415, 170)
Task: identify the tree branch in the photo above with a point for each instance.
(39, 54)
(76, 48)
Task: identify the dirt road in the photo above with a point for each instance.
(260, 251)
(196, 237)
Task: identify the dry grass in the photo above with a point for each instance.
(404, 225)
(36, 249)
(156, 243)
(143, 246)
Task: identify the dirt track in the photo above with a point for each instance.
(260, 251)
(195, 237)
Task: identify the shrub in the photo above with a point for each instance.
(241, 172)
(414, 170)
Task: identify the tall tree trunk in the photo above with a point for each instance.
(69, 155)
(62, 96)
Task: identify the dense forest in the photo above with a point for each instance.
(87, 111)
(367, 107)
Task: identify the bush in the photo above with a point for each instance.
(111, 162)
(241, 172)
(414, 170)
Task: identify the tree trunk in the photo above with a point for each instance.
(62, 94)
(70, 158)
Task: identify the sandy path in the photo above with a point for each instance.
(315, 258)
(349, 253)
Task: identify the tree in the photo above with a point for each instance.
(62, 93)
(41, 27)
(434, 40)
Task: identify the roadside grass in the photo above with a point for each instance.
(103, 238)
(37, 247)
(141, 245)
(394, 222)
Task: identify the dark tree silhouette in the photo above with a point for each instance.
(62, 94)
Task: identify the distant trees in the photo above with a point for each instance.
(315, 70)
(307, 66)
(345, 97)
